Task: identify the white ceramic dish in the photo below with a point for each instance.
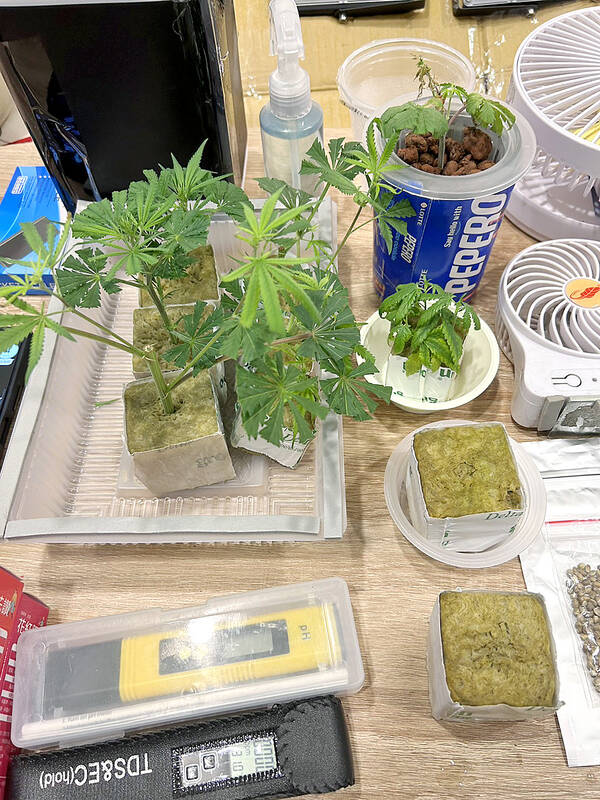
(525, 532)
(478, 368)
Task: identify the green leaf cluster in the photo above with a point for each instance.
(434, 116)
(489, 113)
(427, 326)
(421, 119)
(284, 315)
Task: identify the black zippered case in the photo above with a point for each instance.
(312, 756)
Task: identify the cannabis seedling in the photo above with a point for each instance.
(427, 326)
(435, 115)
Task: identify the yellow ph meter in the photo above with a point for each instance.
(211, 653)
(104, 677)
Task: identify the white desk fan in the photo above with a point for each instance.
(548, 325)
(555, 84)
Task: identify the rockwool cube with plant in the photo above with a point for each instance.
(283, 316)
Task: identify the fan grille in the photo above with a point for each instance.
(560, 72)
(539, 285)
(563, 174)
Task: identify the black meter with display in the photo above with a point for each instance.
(287, 751)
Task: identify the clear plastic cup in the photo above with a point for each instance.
(450, 238)
(382, 70)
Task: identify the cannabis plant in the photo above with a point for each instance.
(427, 326)
(435, 115)
(283, 316)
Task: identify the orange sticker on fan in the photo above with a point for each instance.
(584, 292)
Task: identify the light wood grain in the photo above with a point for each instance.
(400, 751)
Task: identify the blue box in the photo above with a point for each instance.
(31, 197)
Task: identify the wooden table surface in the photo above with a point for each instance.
(399, 750)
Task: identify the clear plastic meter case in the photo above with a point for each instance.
(103, 678)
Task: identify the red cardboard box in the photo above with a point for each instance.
(11, 589)
(18, 612)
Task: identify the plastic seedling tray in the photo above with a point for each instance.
(67, 479)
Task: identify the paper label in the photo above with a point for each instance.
(425, 385)
(288, 453)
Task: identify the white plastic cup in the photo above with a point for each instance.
(450, 238)
(382, 70)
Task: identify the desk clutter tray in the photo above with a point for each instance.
(65, 477)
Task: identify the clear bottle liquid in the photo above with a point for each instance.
(285, 143)
(291, 120)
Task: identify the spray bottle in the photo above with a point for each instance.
(291, 121)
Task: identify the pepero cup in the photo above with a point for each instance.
(449, 240)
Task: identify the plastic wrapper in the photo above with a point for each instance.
(442, 704)
(562, 564)
(470, 533)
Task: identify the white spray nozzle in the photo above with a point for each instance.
(289, 85)
(286, 33)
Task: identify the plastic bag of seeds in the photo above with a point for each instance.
(563, 564)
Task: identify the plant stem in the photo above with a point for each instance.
(185, 374)
(441, 151)
(160, 308)
(297, 337)
(317, 205)
(455, 116)
(102, 340)
(99, 326)
(346, 237)
(164, 391)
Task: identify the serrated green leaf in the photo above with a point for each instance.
(386, 233)
(400, 337)
(14, 332)
(339, 173)
(289, 197)
(413, 117)
(36, 347)
(33, 238)
(335, 335)
(439, 348)
(270, 301)
(251, 301)
(347, 394)
(228, 198)
(238, 342)
(489, 113)
(401, 302)
(413, 364)
(80, 279)
(24, 306)
(454, 343)
(269, 389)
(434, 309)
(58, 329)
